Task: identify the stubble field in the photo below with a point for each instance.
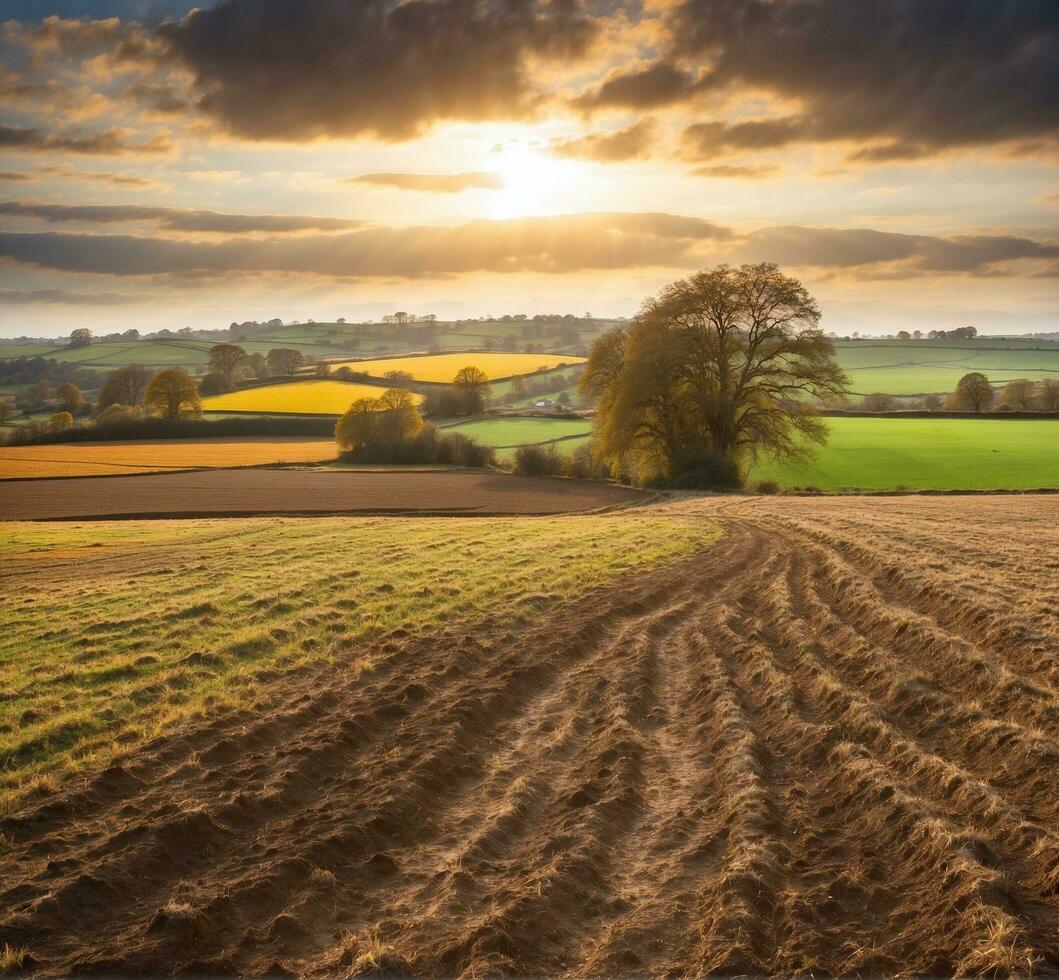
(826, 742)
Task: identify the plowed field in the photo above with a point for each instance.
(829, 743)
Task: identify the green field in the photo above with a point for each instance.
(901, 367)
(501, 432)
(150, 623)
(927, 454)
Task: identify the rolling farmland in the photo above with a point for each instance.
(517, 431)
(927, 454)
(294, 397)
(66, 459)
(442, 368)
(825, 743)
(930, 366)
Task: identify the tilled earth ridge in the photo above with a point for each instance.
(829, 743)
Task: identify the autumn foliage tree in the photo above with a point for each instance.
(714, 370)
(471, 388)
(124, 386)
(973, 393)
(375, 423)
(172, 394)
(69, 397)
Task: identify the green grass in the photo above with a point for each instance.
(927, 454)
(114, 632)
(929, 366)
(501, 432)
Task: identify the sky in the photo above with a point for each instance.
(166, 165)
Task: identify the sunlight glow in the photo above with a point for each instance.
(534, 183)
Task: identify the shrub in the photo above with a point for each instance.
(538, 461)
(768, 487)
(428, 445)
(60, 421)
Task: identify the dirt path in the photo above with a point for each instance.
(830, 744)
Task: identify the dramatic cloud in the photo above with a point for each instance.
(437, 183)
(13, 176)
(110, 142)
(321, 68)
(560, 244)
(906, 78)
(903, 256)
(176, 219)
(69, 297)
(631, 143)
(656, 85)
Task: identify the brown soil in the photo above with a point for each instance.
(829, 744)
(242, 492)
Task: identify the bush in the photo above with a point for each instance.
(582, 465)
(428, 445)
(768, 487)
(538, 461)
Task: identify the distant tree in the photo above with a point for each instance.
(7, 409)
(1019, 395)
(284, 360)
(562, 399)
(125, 386)
(341, 319)
(69, 397)
(37, 395)
(471, 386)
(225, 360)
(116, 413)
(917, 334)
(878, 402)
(974, 393)
(399, 378)
(213, 383)
(903, 335)
(60, 421)
(131, 334)
(1048, 395)
(932, 403)
(322, 369)
(172, 394)
(257, 366)
(81, 337)
(518, 387)
(377, 423)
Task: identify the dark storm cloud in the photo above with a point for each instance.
(633, 142)
(301, 69)
(435, 183)
(907, 78)
(109, 142)
(563, 243)
(175, 219)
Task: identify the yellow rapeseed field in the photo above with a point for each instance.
(161, 455)
(443, 367)
(307, 397)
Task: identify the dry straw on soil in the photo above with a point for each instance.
(828, 744)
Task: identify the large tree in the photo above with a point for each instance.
(125, 386)
(379, 423)
(81, 337)
(716, 369)
(225, 360)
(172, 394)
(974, 393)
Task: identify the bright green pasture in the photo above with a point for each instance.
(520, 431)
(927, 454)
(928, 366)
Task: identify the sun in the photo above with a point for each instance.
(533, 182)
